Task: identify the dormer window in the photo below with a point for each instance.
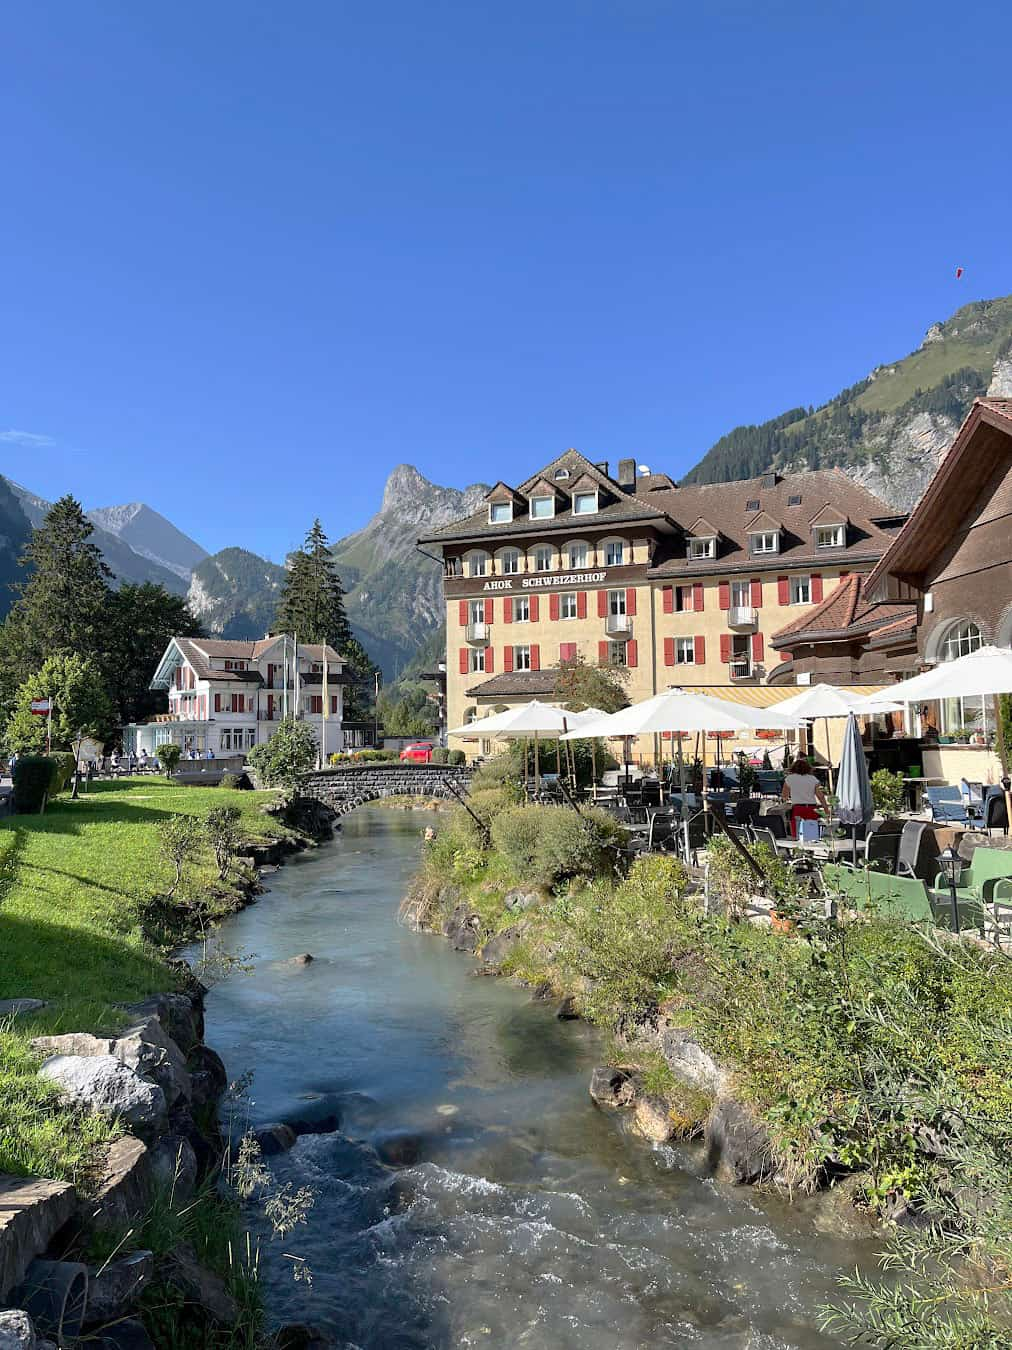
(561, 474)
(584, 503)
(764, 541)
(500, 513)
(752, 506)
(703, 546)
(830, 536)
(542, 508)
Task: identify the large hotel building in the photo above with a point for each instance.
(684, 586)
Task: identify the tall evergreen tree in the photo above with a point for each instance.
(312, 607)
(139, 621)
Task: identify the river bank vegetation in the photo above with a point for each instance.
(867, 1054)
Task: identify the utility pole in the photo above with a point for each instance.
(375, 707)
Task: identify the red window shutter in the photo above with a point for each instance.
(724, 594)
(535, 656)
(553, 607)
(489, 614)
(535, 608)
(756, 588)
(631, 653)
(463, 613)
(489, 661)
(217, 703)
(270, 706)
(630, 600)
(333, 704)
(581, 605)
(757, 646)
(602, 653)
(816, 588)
(567, 650)
(507, 659)
(700, 651)
(725, 647)
(785, 656)
(783, 591)
(507, 610)
(602, 604)
(669, 650)
(697, 597)
(463, 660)
(668, 600)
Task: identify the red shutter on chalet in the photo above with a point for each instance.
(756, 588)
(333, 704)
(631, 652)
(757, 646)
(217, 703)
(602, 604)
(489, 660)
(489, 614)
(463, 613)
(700, 651)
(697, 597)
(816, 588)
(668, 600)
(724, 595)
(270, 707)
(535, 656)
(669, 651)
(463, 660)
(536, 608)
(507, 659)
(581, 604)
(630, 600)
(602, 653)
(725, 647)
(507, 610)
(567, 651)
(553, 607)
(783, 591)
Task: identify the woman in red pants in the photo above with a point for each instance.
(804, 792)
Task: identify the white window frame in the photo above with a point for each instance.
(617, 602)
(702, 546)
(801, 590)
(962, 638)
(544, 550)
(741, 595)
(542, 507)
(835, 541)
(522, 657)
(251, 737)
(479, 564)
(610, 546)
(476, 661)
(578, 555)
(569, 605)
(500, 519)
(509, 561)
(764, 541)
(476, 611)
(586, 497)
(685, 651)
(521, 609)
(617, 654)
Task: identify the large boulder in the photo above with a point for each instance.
(32, 1212)
(274, 1138)
(612, 1087)
(144, 1047)
(498, 948)
(104, 1084)
(737, 1145)
(687, 1060)
(174, 1166)
(652, 1120)
(16, 1330)
(208, 1078)
(520, 898)
(181, 1016)
(124, 1192)
(115, 1287)
(199, 1285)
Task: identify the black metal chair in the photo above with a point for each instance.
(883, 848)
(995, 813)
(909, 850)
(746, 811)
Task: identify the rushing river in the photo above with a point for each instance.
(528, 1218)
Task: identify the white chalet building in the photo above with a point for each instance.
(226, 697)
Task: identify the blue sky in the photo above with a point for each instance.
(253, 255)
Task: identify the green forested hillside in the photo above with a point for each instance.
(15, 531)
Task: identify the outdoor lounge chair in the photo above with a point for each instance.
(986, 879)
(908, 855)
(947, 805)
(897, 897)
(995, 813)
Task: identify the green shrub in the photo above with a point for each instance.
(456, 758)
(232, 781)
(439, 755)
(168, 757)
(33, 782)
(223, 833)
(887, 792)
(546, 845)
(180, 840)
(64, 763)
(290, 751)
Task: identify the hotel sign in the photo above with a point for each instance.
(546, 579)
(631, 574)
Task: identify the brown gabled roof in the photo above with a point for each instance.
(199, 652)
(829, 515)
(847, 613)
(762, 522)
(517, 683)
(701, 529)
(979, 447)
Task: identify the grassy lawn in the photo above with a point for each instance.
(74, 884)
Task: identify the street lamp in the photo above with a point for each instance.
(951, 864)
(78, 743)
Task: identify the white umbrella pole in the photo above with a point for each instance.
(537, 767)
(829, 754)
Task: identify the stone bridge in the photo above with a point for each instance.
(352, 785)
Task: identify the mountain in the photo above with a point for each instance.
(394, 593)
(234, 593)
(152, 536)
(889, 430)
(126, 563)
(15, 531)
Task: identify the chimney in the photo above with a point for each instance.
(627, 474)
(769, 479)
(602, 464)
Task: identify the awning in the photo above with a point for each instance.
(767, 695)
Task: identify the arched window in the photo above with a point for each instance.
(577, 555)
(509, 561)
(961, 639)
(544, 558)
(963, 718)
(615, 553)
(470, 715)
(478, 564)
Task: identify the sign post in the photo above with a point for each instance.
(43, 707)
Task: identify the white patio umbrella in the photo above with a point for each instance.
(827, 702)
(855, 804)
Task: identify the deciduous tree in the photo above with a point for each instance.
(80, 705)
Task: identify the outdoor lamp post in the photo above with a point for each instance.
(77, 743)
(951, 864)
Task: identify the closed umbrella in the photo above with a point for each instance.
(854, 802)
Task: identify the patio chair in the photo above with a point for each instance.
(995, 813)
(883, 846)
(947, 806)
(908, 855)
(896, 897)
(987, 877)
(746, 811)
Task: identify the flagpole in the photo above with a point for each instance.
(295, 677)
(323, 736)
(284, 695)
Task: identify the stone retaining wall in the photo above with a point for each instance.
(349, 786)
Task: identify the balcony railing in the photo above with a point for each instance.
(477, 634)
(742, 616)
(741, 668)
(618, 626)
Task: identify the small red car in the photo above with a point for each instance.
(418, 752)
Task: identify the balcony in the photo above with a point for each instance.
(743, 618)
(741, 668)
(619, 626)
(477, 634)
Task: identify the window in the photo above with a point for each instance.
(454, 567)
(616, 602)
(962, 717)
(522, 609)
(685, 651)
(521, 658)
(479, 564)
(509, 561)
(251, 738)
(584, 503)
(476, 611)
(560, 474)
(617, 653)
(568, 605)
(766, 541)
(614, 553)
(752, 505)
(500, 513)
(544, 558)
(794, 501)
(703, 548)
(829, 536)
(225, 739)
(236, 665)
(316, 704)
(578, 555)
(741, 594)
(801, 590)
(542, 508)
(476, 659)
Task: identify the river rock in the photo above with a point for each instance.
(124, 1193)
(174, 1166)
(115, 1287)
(199, 1285)
(320, 1115)
(32, 1212)
(274, 1138)
(738, 1147)
(611, 1086)
(208, 1078)
(181, 1015)
(398, 1148)
(519, 899)
(103, 1083)
(207, 1147)
(687, 1059)
(128, 1334)
(20, 1007)
(652, 1120)
(145, 1048)
(304, 959)
(498, 948)
(567, 1010)
(16, 1330)
(301, 1336)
